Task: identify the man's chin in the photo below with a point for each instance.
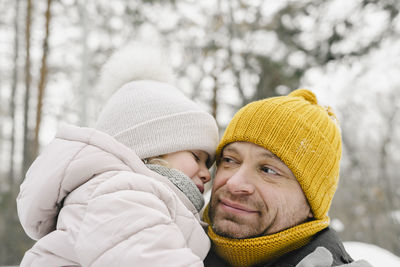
(230, 229)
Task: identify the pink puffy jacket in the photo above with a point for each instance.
(90, 201)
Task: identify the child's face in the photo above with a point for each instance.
(192, 163)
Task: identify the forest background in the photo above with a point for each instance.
(225, 53)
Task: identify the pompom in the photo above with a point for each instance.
(305, 94)
(133, 62)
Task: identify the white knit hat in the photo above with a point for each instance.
(151, 116)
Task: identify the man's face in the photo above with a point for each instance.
(255, 194)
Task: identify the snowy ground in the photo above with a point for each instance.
(376, 256)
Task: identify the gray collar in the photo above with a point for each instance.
(183, 182)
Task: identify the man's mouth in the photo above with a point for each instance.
(232, 207)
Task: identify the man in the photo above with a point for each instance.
(278, 169)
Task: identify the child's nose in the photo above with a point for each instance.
(204, 174)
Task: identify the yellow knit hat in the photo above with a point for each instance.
(303, 134)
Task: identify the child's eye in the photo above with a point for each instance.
(196, 157)
(268, 170)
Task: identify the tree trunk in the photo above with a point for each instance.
(43, 77)
(13, 93)
(26, 149)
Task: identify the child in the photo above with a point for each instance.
(128, 192)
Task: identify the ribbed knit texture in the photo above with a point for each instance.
(251, 251)
(303, 134)
(183, 182)
(154, 118)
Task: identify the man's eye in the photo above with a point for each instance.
(268, 170)
(226, 159)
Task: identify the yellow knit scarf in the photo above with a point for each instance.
(248, 252)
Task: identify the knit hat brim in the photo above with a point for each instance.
(157, 141)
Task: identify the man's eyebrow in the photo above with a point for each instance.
(268, 154)
(265, 153)
(231, 149)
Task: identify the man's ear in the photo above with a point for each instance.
(310, 214)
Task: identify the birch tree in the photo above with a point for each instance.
(43, 78)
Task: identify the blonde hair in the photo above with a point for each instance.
(158, 160)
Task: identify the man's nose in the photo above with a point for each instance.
(240, 182)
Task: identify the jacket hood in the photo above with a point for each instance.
(75, 156)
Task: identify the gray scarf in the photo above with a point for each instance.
(183, 182)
